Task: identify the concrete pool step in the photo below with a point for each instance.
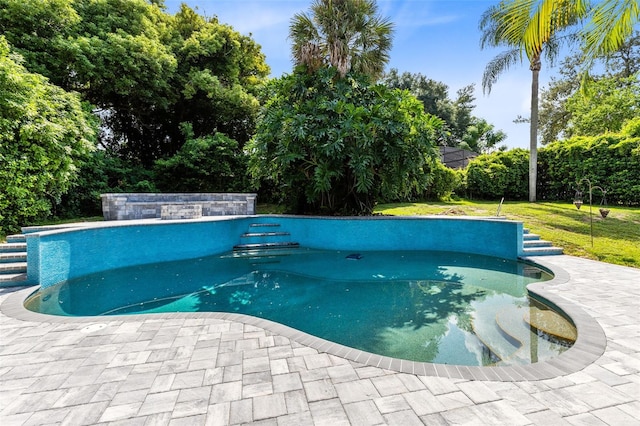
(16, 238)
(13, 267)
(534, 246)
(267, 246)
(13, 256)
(268, 253)
(13, 247)
(263, 236)
(508, 333)
(8, 280)
(13, 261)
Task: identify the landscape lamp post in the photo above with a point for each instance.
(577, 201)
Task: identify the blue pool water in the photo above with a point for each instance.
(440, 307)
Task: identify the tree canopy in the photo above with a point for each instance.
(44, 134)
(146, 71)
(346, 34)
(337, 145)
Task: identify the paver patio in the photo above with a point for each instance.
(192, 369)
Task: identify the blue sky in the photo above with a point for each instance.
(437, 38)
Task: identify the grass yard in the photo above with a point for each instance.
(616, 239)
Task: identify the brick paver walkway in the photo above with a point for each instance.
(189, 369)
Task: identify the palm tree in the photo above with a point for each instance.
(528, 28)
(611, 24)
(345, 34)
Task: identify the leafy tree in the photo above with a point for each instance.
(557, 117)
(101, 173)
(604, 106)
(337, 145)
(44, 132)
(531, 27)
(39, 30)
(146, 71)
(345, 34)
(481, 137)
(611, 23)
(554, 117)
(625, 61)
(434, 95)
(204, 164)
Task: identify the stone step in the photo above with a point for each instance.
(13, 268)
(8, 280)
(259, 253)
(537, 243)
(529, 237)
(13, 247)
(542, 251)
(16, 238)
(532, 245)
(16, 256)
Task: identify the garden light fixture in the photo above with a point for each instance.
(577, 201)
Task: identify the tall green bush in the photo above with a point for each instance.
(497, 175)
(205, 164)
(339, 145)
(44, 131)
(611, 161)
(445, 182)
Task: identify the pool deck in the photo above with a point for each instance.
(192, 369)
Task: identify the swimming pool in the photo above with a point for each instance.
(439, 307)
(80, 250)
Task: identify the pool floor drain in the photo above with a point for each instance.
(93, 327)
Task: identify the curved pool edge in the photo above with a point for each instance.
(589, 346)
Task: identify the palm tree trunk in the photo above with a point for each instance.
(533, 130)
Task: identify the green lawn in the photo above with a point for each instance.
(616, 239)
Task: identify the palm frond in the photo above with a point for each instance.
(612, 22)
(497, 66)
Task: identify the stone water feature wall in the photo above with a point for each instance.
(130, 206)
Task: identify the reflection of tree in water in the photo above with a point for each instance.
(432, 308)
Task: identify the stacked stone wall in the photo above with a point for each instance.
(129, 206)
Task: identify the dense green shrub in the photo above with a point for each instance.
(339, 145)
(611, 161)
(497, 175)
(206, 164)
(445, 182)
(44, 131)
(101, 173)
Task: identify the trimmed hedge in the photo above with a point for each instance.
(611, 161)
(497, 175)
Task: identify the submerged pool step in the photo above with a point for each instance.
(508, 335)
(262, 236)
(265, 237)
(265, 246)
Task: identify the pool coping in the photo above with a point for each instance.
(589, 346)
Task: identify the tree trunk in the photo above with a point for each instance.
(533, 130)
